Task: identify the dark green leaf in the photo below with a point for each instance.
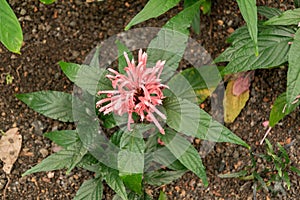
(249, 12)
(10, 30)
(152, 9)
(90, 190)
(171, 41)
(90, 163)
(284, 153)
(196, 21)
(268, 12)
(158, 178)
(131, 158)
(293, 76)
(116, 138)
(63, 138)
(188, 118)
(206, 7)
(279, 109)
(260, 180)
(289, 17)
(185, 153)
(239, 174)
(297, 3)
(47, 1)
(53, 104)
(121, 59)
(114, 181)
(65, 158)
(273, 47)
(162, 196)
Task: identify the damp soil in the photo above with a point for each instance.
(69, 30)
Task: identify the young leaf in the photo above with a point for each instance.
(284, 153)
(162, 196)
(289, 17)
(152, 9)
(63, 138)
(158, 178)
(287, 179)
(188, 118)
(260, 180)
(185, 153)
(249, 12)
(121, 59)
(10, 30)
(293, 76)
(171, 41)
(90, 190)
(70, 69)
(65, 158)
(268, 12)
(53, 104)
(279, 109)
(239, 174)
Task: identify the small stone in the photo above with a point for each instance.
(220, 22)
(230, 30)
(236, 154)
(23, 11)
(44, 152)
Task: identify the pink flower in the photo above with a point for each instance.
(139, 91)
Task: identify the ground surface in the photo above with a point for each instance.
(67, 31)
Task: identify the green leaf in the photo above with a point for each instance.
(280, 110)
(70, 69)
(188, 118)
(162, 196)
(158, 178)
(295, 169)
(53, 104)
(293, 76)
(268, 12)
(90, 190)
(297, 3)
(114, 181)
(63, 138)
(239, 174)
(260, 180)
(47, 1)
(273, 47)
(196, 21)
(152, 9)
(287, 179)
(289, 17)
(10, 30)
(185, 153)
(65, 158)
(131, 158)
(284, 153)
(171, 41)
(121, 59)
(206, 7)
(249, 12)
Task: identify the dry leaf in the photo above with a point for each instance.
(10, 146)
(233, 104)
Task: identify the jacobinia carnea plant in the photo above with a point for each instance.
(278, 44)
(133, 122)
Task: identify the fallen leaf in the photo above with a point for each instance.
(233, 104)
(10, 146)
(242, 83)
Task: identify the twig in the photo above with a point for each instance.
(268, 131)
(6, 187)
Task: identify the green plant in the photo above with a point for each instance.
(278, 44)
(274, 176)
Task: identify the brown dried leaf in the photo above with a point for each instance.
(233, 104)
(10, 146)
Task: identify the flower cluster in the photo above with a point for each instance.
(138, 91)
